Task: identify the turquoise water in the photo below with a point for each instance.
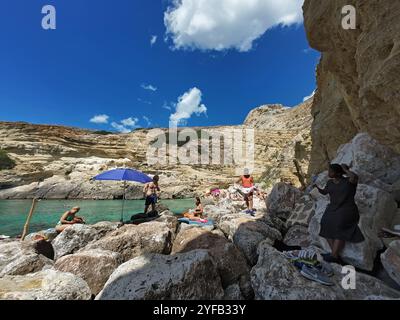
(13, 213)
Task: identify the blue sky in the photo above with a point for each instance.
(99, 59)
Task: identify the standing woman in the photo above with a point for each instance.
(339, 223)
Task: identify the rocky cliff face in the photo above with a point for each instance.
(358, 75)
(55, 162)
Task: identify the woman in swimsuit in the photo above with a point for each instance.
(197, 213)
(150, 192)
(247, 183)
(69, 218)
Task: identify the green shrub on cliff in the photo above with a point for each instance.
(5, 161)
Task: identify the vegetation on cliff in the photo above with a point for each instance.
(5, 161)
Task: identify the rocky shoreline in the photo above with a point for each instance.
(238, 258)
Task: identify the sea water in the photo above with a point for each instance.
(13, 213)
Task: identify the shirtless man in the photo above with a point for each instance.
(151, 192)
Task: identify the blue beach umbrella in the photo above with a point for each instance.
(123, 175)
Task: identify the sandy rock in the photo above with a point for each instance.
(187, 276)
(93, 266)
(230, 261)
(20, 258)
(131, 240)
(48, 234)
(369, 158)
(391, 261)
(246, 233)
(78, 236)
(356, 77)
(44, 285)
(282, 200)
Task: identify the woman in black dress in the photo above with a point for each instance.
(340, 221)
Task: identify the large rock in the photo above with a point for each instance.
(19, 258)
(246, 233)
(370, 160)
(131, 240)
(297, 236)
(282, 200)
(78, 236)
(93, 266)
(391, 261)
(302, 213)
(44, 285)
(48, 235)
(377, 209)
(216, 213)
(187, 276)
(357, 76)
(231, 263)
(170, 219)
(276, 278)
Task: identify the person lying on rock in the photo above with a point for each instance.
(151, 193)
(69, 218)
(339, 223)
(197, 213)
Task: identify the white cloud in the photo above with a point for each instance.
(143, 101)
(166, 106)
(309, 97)
(188, 104)
(126, 125)
(149, 87)
(130, 122)
(120, 128)
(147, 120)
(153, 40)
(100, 119)
(227, 24)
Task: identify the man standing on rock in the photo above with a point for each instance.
(151, 193)
(247, 188)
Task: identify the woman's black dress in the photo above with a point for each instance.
(340, 220)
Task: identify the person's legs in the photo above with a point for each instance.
(250, 206)
(338, 246)
(246, 199)
(330, 241)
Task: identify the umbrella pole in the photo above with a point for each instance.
(123, 203)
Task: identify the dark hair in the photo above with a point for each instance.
(337, 169)
(198, 200)
(156, 178)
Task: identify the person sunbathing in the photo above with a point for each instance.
(197, 213)
(69, 218)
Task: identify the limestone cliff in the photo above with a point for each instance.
(56, 162)
(358, 75)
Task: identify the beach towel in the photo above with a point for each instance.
(201, 223)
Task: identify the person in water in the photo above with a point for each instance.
(69, 218)
(247, 188)
(339, 223)
(151, 193)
